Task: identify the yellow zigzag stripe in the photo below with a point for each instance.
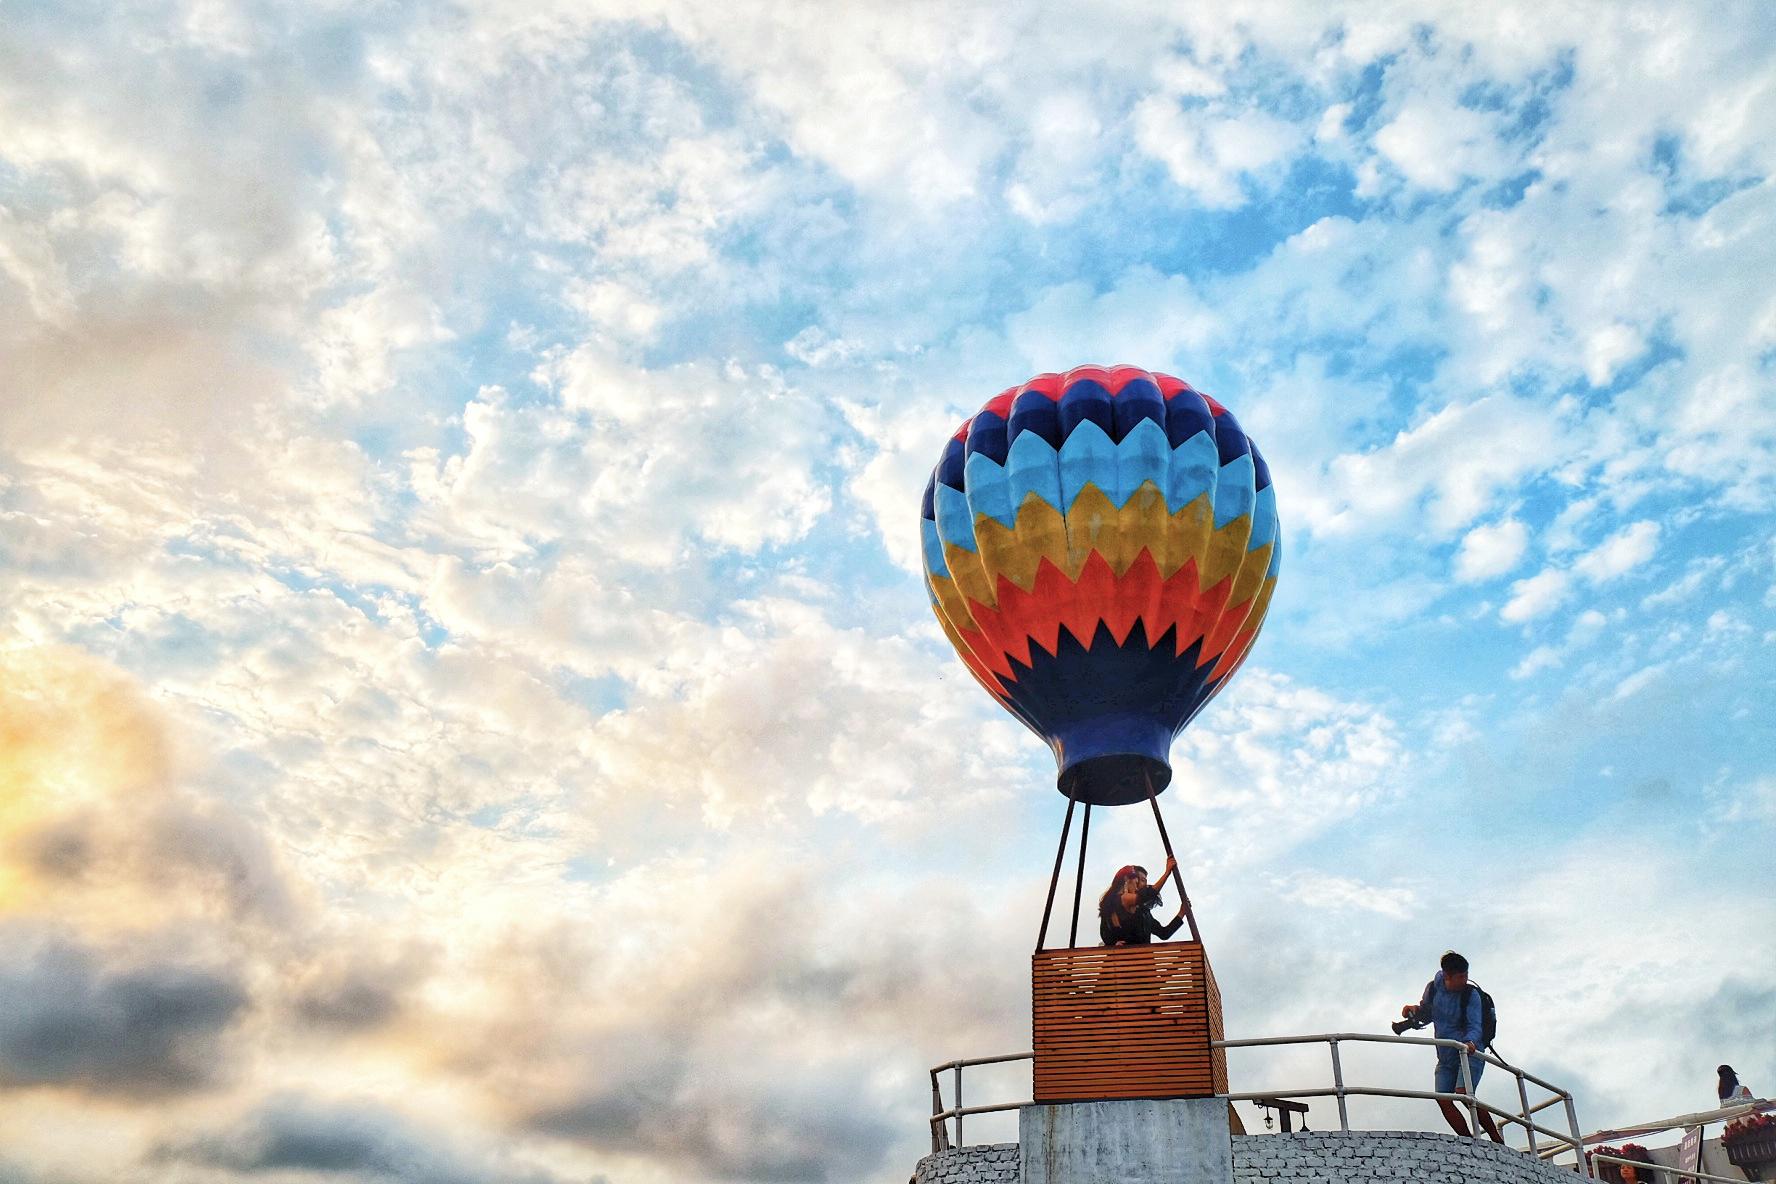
(1249, 581)
(1255, 609)
(952, 610)
(1093, 523)
(956, 639)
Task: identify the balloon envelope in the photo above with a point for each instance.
(1101, 547)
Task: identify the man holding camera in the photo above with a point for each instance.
(1452, 1006)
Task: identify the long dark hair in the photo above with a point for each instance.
(1112, 898)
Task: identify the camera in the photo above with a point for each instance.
(1416, 1020)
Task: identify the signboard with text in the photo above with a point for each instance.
(1689, 1154)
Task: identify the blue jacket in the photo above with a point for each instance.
(1445, 1007)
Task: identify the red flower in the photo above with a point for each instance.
(1753, 1124)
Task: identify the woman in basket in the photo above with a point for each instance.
(1125, 911)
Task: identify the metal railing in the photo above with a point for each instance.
(1569, 1140)
(1559, 1142)
(940, 1136)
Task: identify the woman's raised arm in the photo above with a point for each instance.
(1171, 870)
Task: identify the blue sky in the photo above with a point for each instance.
(466, 664)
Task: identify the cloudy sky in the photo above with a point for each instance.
(468, 709)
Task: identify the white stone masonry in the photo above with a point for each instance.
(989, 1163)
(1305, 1157)
(1384, 1157)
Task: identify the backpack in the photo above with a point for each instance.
(1489, 1020)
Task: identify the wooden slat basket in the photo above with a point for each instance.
(1126, 1022)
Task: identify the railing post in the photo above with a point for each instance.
(1338, 1084)
(1578, 1146)
(937, 1141)
(1467, 1079)
(959, 1141)
(1528, 1123)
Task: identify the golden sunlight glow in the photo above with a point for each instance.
(75, 738)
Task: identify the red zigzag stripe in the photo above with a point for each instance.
(1054, 603)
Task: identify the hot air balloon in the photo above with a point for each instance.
(1101, 546)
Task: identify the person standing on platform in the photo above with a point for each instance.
(1730, 1090)
(1452, 1006)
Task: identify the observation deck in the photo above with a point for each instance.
(1130, 1082)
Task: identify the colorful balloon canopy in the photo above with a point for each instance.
(1101, 547)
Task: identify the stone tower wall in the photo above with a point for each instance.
(1372, 1157)
(1306, 1157)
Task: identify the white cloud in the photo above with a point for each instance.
(869, 717)
(1564, 532)
(1722, 625)
(815, 347)
(1587, 627)
(1606, 350)
(1455, 462)
(1625, 550)
(1273, 761)
(1726, 433)
(1543, 657)
(1332, 119)
(1639, 680)
(1491, 550)
(1147, 315)
(354, 343)
(1212, 151)
(1343, 894)
(1754, 802)
(1181, 76)
(1057, 173)
(616, 307)
(1687, 585)
(658, 209)
(635, 463)
(1436, 146)
(1536, 596)
(889, 484)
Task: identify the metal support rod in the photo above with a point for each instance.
(1166, 840)
(999, 1109)
(1560, 1140)
(937, 1140)
(1523, 1096)
(1338, 1083)
(1085, 830)
(959, 1141)
(1001, 1059)
(1572, 1120)
(1468, 1089)
(1048, 906)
